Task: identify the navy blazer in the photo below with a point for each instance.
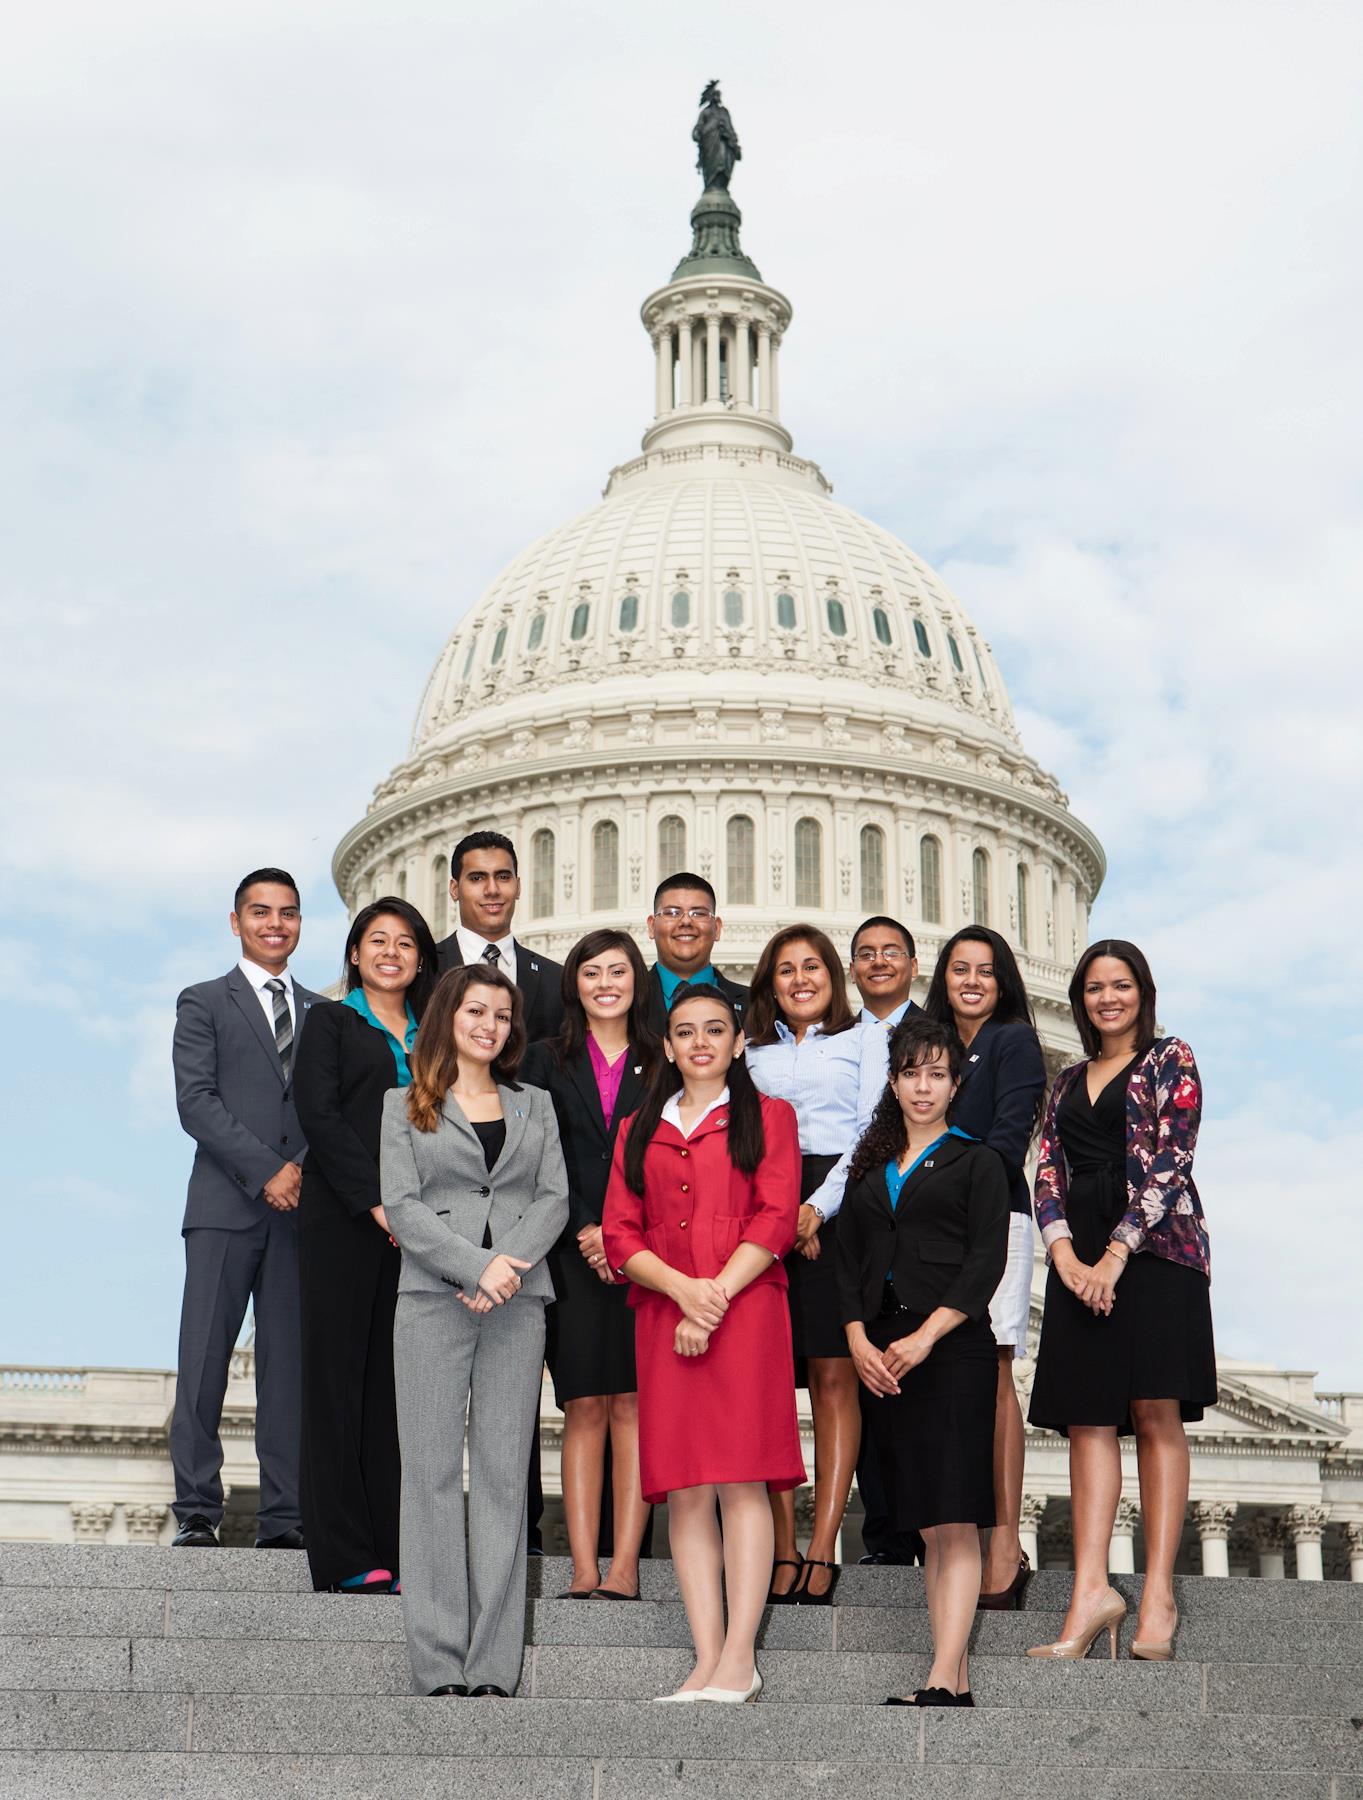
(588, 1142)
(1002, 1080)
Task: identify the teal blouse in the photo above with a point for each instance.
(895, 1178)
(355, 999)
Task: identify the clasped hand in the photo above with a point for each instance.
(1094, 1285)
(702, 1300)
(281, 1191)
(500, 1280)
(871, 1368)
(807, 1233)
(593, 1247)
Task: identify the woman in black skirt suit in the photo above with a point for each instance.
(348, 1266)
(921, 1248)
(1126, 1338)
(595, 1072)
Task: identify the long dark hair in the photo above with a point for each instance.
(572, 1037)
(914, 1040)
(1147, 1029)
(763, 1010)
(1013, 1006)
(427, 974)
(747, 1140)
(434, 1062)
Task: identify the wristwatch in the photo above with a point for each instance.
(818, 1211)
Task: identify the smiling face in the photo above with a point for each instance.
(924, 1091)
(802, 984)
(268, 922)
(701, 1040)
(882, 968)
(685, 928)
(482, 1024)
(1112, 1000)
(972, 990)
(387, 955)
(486, 892)
(605, 986)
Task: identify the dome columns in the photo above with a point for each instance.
(710, 387)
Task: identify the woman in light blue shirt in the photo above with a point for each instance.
(806, 1046)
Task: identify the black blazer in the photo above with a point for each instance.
(1003, 1078)
(657, 1005)
(588, 1142)
(539, 978)
(341, 1072)
(946, 1246)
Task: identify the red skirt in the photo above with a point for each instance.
(726, 1416)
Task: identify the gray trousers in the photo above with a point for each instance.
(463, 1600)
(224, 1272)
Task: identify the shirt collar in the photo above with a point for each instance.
(890, 1020)
(787, 1036)
(258, 976)
(359, 1000)
(672, 982)
(472, 944)
(672, 1111)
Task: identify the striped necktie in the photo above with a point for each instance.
(283, 1025)
(492, 955)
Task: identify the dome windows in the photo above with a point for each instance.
(979, 885)
(732, 608)
(582, 614)
(808, 862)
(920, 635)
(785, 610)
(440, 894)
(1024, 921)
(498, 645)
(542, 874)
(536, 636)
(628, 616)
(740, 861)
(671, 846)
(837, 616)
(469, 656)
(930, 879)
(872, 869)
(955, 650)
(881, 620)
(681, 610)
(605, 866)
(979, 664)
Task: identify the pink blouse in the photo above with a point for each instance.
(608, 1076)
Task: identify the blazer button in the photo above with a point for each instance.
(686, 1153)
(485, 1191)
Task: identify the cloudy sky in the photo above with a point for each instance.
(314, 315)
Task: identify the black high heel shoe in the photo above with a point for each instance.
(784, 1562)
(1008, 1599)
(800, 1594)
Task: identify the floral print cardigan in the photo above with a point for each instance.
(1163, 1108)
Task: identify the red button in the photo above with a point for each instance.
(685, 1188)
(686, 1153)
(683, 1225)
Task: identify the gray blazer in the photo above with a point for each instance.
(232, 1099)
(438, 1193)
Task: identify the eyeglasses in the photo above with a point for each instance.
(699, 915)
(890, 955)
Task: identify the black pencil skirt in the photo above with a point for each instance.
(815, 1329)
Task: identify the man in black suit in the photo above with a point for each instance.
(233, 1057)
(884, 965)
(485, 885)
(685, 925)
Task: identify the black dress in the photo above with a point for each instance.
(1156, 1344)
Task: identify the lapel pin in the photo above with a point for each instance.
(928, 1163)
(975, 1057)
(638, 1068)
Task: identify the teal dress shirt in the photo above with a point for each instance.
(355, 999)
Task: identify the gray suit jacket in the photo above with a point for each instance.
(232, 1099)
(438, 1193)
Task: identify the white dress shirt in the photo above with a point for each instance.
(257, 978)
(834, 1084)
(472, 946)
(890, 1020)
(672, 1111)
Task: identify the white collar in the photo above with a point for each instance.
(891, 1019)
(258, 976)
(472, 943)
(787, 1036)
(672, 1111)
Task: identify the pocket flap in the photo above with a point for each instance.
(941, 1250)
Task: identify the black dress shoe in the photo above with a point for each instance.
(455, 1689)
(488, 1690)
(196, 1533)
(287, 1540)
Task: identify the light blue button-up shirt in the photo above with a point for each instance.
(834, 1084)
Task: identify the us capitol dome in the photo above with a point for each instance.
(721, 667)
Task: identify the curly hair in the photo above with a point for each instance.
(915, 1039)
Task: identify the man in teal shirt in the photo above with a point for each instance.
(685, 925)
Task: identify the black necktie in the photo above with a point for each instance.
(492, 955)
(283, 1025)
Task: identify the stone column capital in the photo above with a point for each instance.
(1307, 1523)
(92, 1520)
(1033, 1510)
(1128, 1518)
(144, 1523)
(1269, 1532)
(1353, 1533)
(1213, 1518)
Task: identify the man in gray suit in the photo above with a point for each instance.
(233, 1057)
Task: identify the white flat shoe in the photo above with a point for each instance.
(731, 1696)
(681, 1699)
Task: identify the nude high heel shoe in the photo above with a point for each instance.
(1071, 1649)
(1154, 1649)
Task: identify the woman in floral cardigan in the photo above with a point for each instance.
(1126, 1340)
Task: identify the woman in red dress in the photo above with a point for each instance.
(703, 1202)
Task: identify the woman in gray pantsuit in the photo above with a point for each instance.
(475, 1193)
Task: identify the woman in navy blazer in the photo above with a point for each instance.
(978, 988)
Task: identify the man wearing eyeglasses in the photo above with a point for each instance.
(685, 925)
(884, 965)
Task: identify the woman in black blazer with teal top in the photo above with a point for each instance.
(348, 1265)
(921, 1247)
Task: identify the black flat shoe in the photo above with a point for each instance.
(800, 1594)
(965, 1699)
(196, 1533)
(784, 1562)
(575, 1594)
(287, 1540)
(603, 1593)
(488, 1690)
(454, 1689)
(935, 1697)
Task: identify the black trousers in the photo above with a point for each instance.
(351, 1469)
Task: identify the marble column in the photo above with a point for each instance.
(685, 369)
(1121, 1556)
(774, 406)
(764, 366)
(1213, 1519)
(662, 344)
(91, 1521)
(712, 358)
(1307, 1525)
(1269, 1533)
(742, 362)
(1353, 1533)
(1033, 1511)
